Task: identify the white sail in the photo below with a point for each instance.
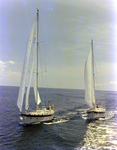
(25, 68)
(89, 81)
(28, 87)
(31, 66)
(35, 79)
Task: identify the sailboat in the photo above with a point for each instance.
(30, 75)
(94, 111)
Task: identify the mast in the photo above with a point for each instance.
(37, 57)
(93, 72)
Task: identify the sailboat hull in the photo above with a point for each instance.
(37, 117)
(94, 114)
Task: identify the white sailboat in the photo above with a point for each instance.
(30, 74)
(95, 111)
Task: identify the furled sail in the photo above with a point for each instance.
(25, 68)
(89, 81)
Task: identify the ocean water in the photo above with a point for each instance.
(69, 129)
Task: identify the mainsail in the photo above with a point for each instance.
(89, 80)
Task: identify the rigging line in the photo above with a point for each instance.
(41, 68)
(37, 54)
(42, 34)
(42, 76)
(99, 79)
(44, 58)
(43, 55)
(41, 42)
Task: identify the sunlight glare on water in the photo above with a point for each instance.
(99, 135)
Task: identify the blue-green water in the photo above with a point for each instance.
(68, 131)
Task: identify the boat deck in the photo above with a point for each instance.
(39, 113)
(97, 110)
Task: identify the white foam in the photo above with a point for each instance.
(72, 113)
(108, 115)
(57, 122)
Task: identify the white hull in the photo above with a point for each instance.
(38, 116)
(96, 113)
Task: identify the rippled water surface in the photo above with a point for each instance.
(69, 130)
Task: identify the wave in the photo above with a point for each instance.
(108, 115)
(100, 135)
(97, 148)
(64, 118)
